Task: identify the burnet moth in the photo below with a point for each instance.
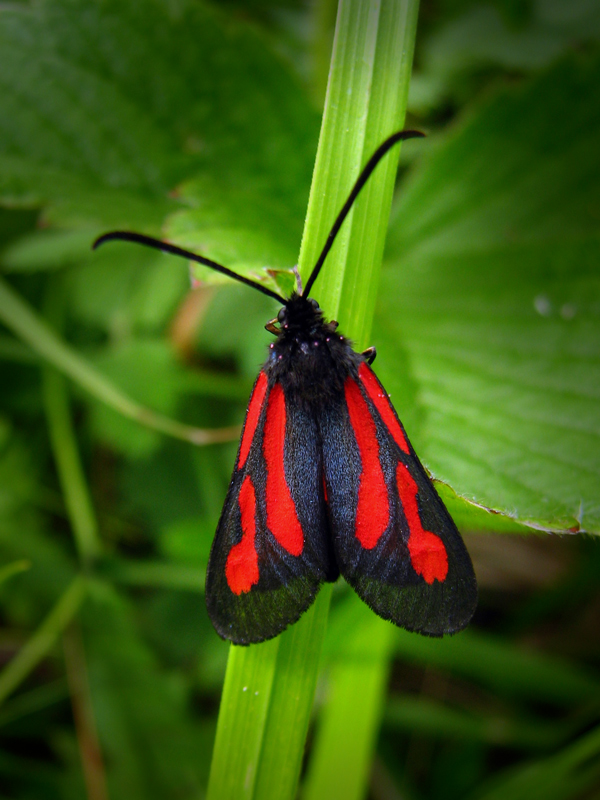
(326, 482)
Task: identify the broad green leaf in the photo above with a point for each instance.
(234, 325)
(122, 289)
(522, 37)
(492, 285)
(107, 107)
(484, 35)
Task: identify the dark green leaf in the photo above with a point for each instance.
(495, 293)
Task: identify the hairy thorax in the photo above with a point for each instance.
(310, 353)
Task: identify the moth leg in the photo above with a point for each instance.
(271, 326)
(369, 354)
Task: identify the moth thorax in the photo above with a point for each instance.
(300, 317)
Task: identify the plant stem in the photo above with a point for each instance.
(17, 315)
(259, 745)
(92, 761)
(38, 645)
(64, 444)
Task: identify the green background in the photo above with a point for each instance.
(200, 122)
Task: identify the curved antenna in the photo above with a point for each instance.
(149, 241)
(364, 176)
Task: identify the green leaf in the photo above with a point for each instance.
(122, 289)
(108, 107)
(47, 250)
(265, 709)
(492, 285)
(516, 36)
(234, 325)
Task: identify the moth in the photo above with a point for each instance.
(326, 482)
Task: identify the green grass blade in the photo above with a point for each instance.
(38, 645)
(559, 777)
(265, 711)
(8, 570)
(33, 701)
(242, 720)
(291, 703)
(421, 715)
(64, 445)
(371, 102)
(365, 103)
(351, 718)
(154, 574)
(68, 463)
(506, 669)
(17, 315)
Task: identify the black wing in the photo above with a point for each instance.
(272, 549)
(394, 540)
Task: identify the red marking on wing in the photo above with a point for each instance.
(373, 510)
(427, 552)
(282, 519)
(382, 403)
(241, 567)
(252, 416)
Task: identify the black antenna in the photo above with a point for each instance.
(165, 247)
(364, 176)
(149, 241)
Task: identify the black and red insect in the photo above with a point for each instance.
(326, 482)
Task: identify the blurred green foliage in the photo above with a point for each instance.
(195, 120)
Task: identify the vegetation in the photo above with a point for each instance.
(122, 390)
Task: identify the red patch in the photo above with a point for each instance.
(427, 552)
(381, 401)
(241, 567)
(252, 416)
(372, 513)
(282, 519)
